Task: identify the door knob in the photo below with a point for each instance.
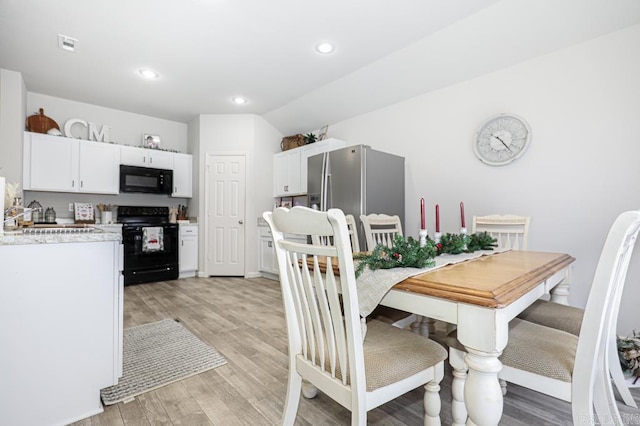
(241, 222)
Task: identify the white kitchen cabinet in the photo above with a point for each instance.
(290, 167)
(55, 163)
(50, 163)
(182, 171)
(268, 261)
(188, 250)
(143, 157)
(99, 168)
(66, 340)
(286, 169)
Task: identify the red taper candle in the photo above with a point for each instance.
(462, 215)
(422, 221)
(437, 217)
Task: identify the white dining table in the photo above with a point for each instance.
(480, 297)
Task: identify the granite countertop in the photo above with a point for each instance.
(15, 238)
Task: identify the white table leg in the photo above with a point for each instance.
(482, 391)
(560, 293)
(458, 409)
(427, 326)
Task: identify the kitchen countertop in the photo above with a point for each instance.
(15, 238)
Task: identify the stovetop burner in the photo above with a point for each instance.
(143, 215)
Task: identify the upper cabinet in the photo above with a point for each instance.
(290, 167)
(182, 170)
(286, 173)
(54, 163)
(99, 167)
(133, 156)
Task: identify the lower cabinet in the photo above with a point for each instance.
(66, 340)
(268, 260)
(188, 250)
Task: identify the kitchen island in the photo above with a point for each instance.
(61, 325)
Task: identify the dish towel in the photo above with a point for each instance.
(152, 239)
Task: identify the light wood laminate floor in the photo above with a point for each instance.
(244, 320)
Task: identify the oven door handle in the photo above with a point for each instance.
(147, 271)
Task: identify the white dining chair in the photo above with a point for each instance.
(560, 364)
(569, 319)
(382, 229)
(329, 346)
(510, 231)
(353, 233)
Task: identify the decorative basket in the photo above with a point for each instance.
(290, 142)
(40, 123)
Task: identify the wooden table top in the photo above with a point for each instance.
(492, 281)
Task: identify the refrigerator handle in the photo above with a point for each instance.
(323, 184)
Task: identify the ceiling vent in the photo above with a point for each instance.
(67, 43)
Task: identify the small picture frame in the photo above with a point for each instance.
(83, 213)
(150, 141)
(286, 203)
(322, 134)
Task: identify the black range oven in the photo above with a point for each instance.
(150, 244)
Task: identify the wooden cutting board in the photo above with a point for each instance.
(40, 123)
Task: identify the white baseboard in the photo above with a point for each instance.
(252, 275)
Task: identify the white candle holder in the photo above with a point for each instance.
(437, 236)
(423, 237)
(463, 231)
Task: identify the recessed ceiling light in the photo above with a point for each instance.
(324, 47)
(147, 73)
(239, 100)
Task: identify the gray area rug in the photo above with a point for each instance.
(156, 355)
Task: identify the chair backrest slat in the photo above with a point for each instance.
(353, 233)
(321, 307)
(510, 231)
(380, 229)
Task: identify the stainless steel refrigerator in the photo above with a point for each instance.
(358, 180)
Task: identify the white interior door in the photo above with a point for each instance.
(226, 182)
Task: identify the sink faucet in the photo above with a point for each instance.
(25, 211)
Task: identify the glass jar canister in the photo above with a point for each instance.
(37, 215)
(50, 215)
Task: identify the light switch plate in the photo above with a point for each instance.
(70, 207)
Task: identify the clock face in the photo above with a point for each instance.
(502, 139)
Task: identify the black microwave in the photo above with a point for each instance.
(146, 180)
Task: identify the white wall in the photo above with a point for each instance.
(581, 171)
(240, 134)
(127, 128)
(12, 115)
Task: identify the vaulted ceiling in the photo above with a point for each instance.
(208, 51)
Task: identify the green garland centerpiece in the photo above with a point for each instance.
(408, 253)
(463, 243)
(404, 254)
(629, 355)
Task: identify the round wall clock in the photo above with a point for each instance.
(502, 139)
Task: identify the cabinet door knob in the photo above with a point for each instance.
(241, 222)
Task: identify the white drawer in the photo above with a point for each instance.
(187, 230)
